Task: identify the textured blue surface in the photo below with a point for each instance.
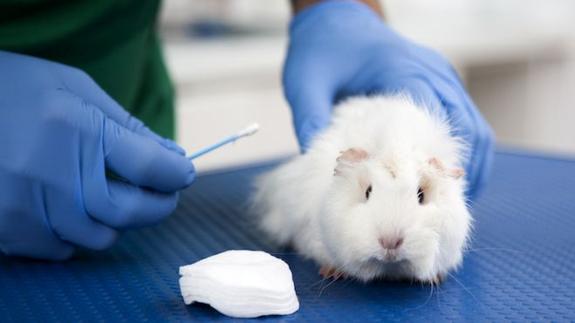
(521, 266)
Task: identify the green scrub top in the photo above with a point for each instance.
(114, 41)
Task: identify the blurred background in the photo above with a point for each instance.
(516, 57)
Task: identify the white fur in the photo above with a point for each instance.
(327, 218)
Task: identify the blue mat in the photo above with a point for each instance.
(521, 266)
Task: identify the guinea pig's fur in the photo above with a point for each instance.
(380, 193)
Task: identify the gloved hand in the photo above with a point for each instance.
(343, 48)
(59, 134)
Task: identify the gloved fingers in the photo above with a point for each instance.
(49, 249)
(27, 237)
(144, 162)
(480, 163)
(81, 230)
(433, 62)
(482, 149)
(459, 112)
(472, 127)
(311, 114)
(70, 222)
(124, 206)
(84, 86)
(23, 229)
(309, 96)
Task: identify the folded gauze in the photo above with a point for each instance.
(241, 283)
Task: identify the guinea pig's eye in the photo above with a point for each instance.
(368, 192)
(420, 195)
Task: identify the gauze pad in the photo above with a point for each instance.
(240, 283)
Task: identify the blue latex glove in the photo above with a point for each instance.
(59, 133)
(343, 48)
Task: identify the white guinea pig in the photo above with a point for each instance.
(380, 193)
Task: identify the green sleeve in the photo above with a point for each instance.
(115, 41)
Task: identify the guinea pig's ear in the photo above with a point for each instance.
(438, 166)
(348, 158)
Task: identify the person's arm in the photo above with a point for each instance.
(299, 5)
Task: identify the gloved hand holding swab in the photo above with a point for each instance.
(248, 131)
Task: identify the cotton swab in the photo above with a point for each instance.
(248, 131)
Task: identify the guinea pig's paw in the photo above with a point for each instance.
(438, 279)
(328, 272)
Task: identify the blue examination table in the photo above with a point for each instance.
(521, 266)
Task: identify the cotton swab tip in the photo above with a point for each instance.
(249, 130)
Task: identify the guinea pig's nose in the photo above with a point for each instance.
(391, 243)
